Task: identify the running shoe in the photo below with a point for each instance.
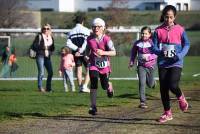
(92, 110)
(143, 105)
(166, 116)
(183, 104)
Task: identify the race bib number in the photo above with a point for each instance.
(169, 50)
(143, 57)
(101, 62)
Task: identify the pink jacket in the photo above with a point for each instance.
(67, 62)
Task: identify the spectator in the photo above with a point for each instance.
(43, 44)
(77, 41)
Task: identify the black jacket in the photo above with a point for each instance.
(38, 45)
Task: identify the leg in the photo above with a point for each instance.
(142, 82)
(150, 77)
(174, 87)
(106, 85)
(87, 77)
(40, 66)
(174, 78)
(65, 81)
(164, 91)
(164, 88)
(93, 93)
(79, 72)
(71, 79)
(48, 65)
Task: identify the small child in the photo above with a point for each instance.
(146, 63)
(12, 63)
(66, 68)
(100, 48)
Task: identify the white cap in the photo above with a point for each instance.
(98, 21)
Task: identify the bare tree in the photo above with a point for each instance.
(14, 13)
(118, 13)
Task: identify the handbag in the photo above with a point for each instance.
(32, 52)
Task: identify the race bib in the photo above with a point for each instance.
(169, 50)
(143, 57)
(101, 62)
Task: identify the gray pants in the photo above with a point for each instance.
(146, 76)
(68, 75)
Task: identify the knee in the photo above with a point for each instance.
(173, 86)
(94, 83)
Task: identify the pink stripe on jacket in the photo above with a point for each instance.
(140, 50)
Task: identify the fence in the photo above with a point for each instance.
(21, 39)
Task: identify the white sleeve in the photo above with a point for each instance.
(111, 45)
(87, 33)
(82, 49)
(71, 45)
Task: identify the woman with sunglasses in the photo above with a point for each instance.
(44, 46)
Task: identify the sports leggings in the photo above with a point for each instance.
(169, 81)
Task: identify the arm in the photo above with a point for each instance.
(133, 55)
(82, 49)
(186, 45)
(155, 45)
(71, 45)
(111, 52)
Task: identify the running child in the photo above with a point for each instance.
(171, 44)
(146, 63)
(100, 48)
(66, 68)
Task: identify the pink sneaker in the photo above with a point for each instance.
(183, 104)
(166, 116)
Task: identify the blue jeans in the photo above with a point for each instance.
(41, 63)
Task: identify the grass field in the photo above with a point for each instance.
(25, 110)
(119, 67)
(19, 98)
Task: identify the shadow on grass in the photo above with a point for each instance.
(103, 120)
(20, 115)
(135, 96)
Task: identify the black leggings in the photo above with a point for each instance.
(169, 80)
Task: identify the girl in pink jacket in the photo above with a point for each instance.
(66, 68)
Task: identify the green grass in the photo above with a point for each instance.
(27, 67)
(20, 99)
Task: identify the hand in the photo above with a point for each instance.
(77, 54)
(172, 60)
(60, 73)
(130, 66)
(100, 52)
(145, 57)
(86, 58)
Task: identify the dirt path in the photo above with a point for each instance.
(120, 120)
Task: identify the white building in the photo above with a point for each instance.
(85, 5)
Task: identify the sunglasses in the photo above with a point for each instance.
(45, 28)
(96, 27)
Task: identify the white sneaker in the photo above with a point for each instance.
(85, 89)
